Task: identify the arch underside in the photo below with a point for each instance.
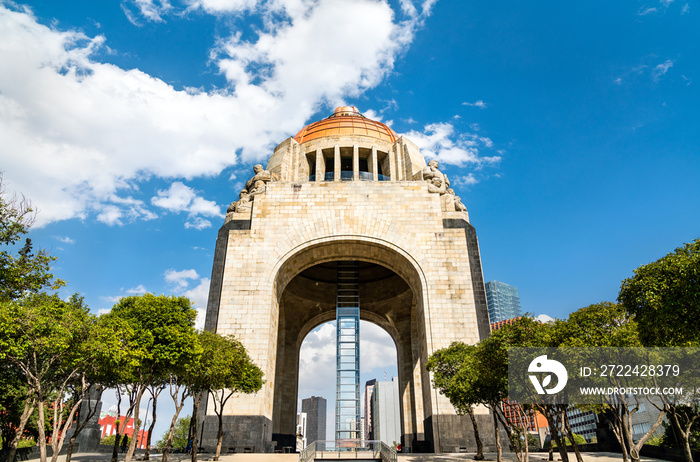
(390, 297)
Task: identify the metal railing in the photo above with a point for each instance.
(348, 450)
(348, 176)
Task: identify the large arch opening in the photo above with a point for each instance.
(391, 297)
(317, 371)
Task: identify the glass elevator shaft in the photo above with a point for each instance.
(347, 408)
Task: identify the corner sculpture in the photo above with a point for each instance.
(438, 183)
(253, 187)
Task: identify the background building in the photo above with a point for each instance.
(369, 390)
(301, 431)
(108, 427)
(315, 410)
(385, 411)
(503, 301)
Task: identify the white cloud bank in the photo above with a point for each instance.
(439, 141)
(77, 134)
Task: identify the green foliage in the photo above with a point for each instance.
(478, 374)
(29, 271)
(670, 440)
(43, 336)
(517, 443)
(180, 435)
(664, 297)
(578, 439)
(148, 336)
(224, 363)
(26, 443)
(655, 440)
(109, 440)
(599, 325)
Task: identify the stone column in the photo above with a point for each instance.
(320, 165)
(355, 162)
(373, 166)
(336, 152)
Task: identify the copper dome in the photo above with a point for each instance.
(346, 120)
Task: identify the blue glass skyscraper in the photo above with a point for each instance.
(503, 301)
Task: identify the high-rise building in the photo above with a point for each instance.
(386, 413)
(315, 409)
(301, 431)
(503, 301)
(369, 390)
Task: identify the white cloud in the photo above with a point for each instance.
(439, 141)
(180, 278)
(140, 289)
(64, 239)
(75, 132)
(666, 3)
(182, 198)
(152, 10)
(645, 11)
(544, 318)
(661, 69)
(198, 223)
(199, 296)
(467, 180)
(480, 104)
(111, 215)
(377, 349)
(685, 9)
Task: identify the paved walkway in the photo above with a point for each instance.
(535, 457)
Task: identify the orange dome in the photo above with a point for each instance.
(346, 120)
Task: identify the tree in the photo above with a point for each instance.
(472, 375)
(28, 271)
(155, 336)
(444, 365)
(179, 436)
(225, 368)
(42, 336)
(664, 298)
(607, 324)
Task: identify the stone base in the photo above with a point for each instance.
(449, 433)
(242, 433)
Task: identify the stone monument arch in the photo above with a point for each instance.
(345, 188)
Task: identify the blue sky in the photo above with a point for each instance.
(570, 131)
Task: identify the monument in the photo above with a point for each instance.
(345, 189)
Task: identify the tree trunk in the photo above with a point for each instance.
(220, 434)
(57, 442)
(196, 400)
(678, 429)
(29, 404)
(579, 458)
(115, 448)
(549, 411)
(137, 424)
(499, 449)
(178, 408)
(40, 425)
(146, 456)
(81, 426)
(479, 446)
(169, 441)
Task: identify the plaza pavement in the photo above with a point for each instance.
(509, 457)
